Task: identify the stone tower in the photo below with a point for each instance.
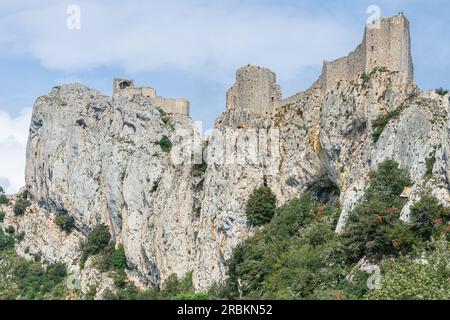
(255, 89)
(389, 46)
(386, 44)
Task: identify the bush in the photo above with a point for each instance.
(381, 122)
(373, 229)
(3, 199)
(406, 279)
(32, 281)
(165, 144)
(65, 222)
(10, 230)
(295, 256)
(429, 218)
(2, 216)
(119, 260)
(98, 240)
(261, 206)
(21, 206)
(6, 241)
(441, 91)
(57, 271)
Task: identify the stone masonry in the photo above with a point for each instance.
(386, 44)
(255, 89)
(126, 87)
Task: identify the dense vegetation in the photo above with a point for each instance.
(308, 260)
(294, 254)
(173, 289)
(22, 279)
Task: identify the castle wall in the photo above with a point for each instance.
(387, 46)
(255, 89)
(126, 88)
(175, 106)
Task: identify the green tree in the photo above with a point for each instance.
(21, 206)
(429, 217)
(261, 206)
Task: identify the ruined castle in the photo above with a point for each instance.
(386, 44)
(126, 88)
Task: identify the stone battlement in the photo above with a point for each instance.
(126, 88)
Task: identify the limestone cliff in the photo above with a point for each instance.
(99, 159)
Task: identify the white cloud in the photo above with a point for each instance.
(209, 38)
(13, 141)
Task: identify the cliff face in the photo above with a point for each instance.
(106, 160)
(97, 159)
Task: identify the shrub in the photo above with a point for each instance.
(441, 91)
(65, 222)
(119, 260)
(430, 164)
(199, 169)
(32, 281)
(165, 144)
(6, 241)
(98, 240)
(10, 230)
(57, 271)
(293, 257)
(3, 199)
(381, 122)
(429, 217)
(373, 229)
(261, 206)
(2, 216)
(21, 206)
(406, 279)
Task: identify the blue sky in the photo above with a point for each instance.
(188, 49)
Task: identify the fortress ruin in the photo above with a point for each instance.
(124, 87)
(386, 43)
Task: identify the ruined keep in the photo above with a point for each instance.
(386, 44)
(126, 88)
(255, 89)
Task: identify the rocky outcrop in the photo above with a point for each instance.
(107, 160)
